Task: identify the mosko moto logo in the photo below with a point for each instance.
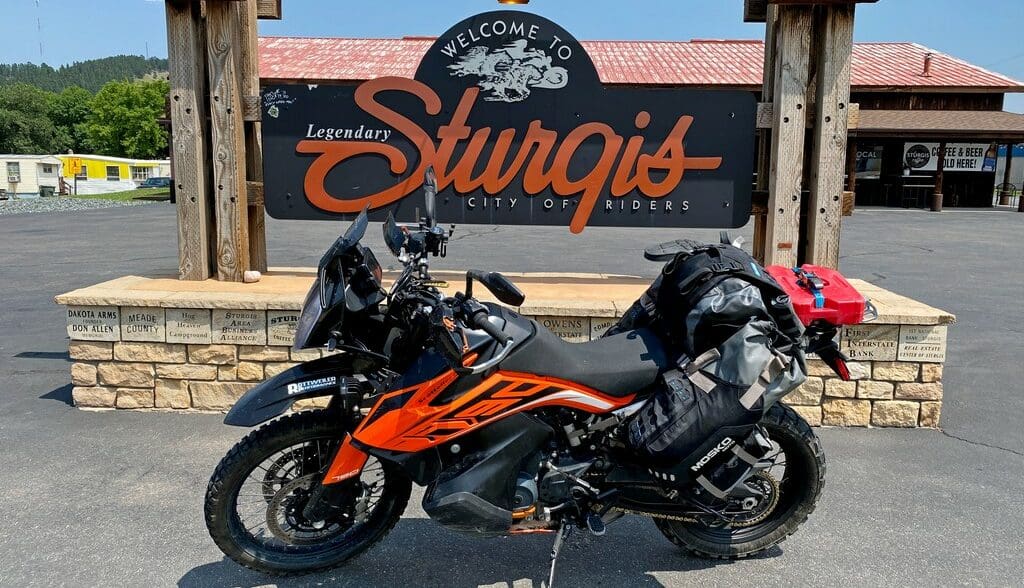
(722, 446)
(310, 385)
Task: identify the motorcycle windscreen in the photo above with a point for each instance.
(315, 322)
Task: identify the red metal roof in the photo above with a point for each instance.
(697, 62)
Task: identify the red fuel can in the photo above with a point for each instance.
(820, 293)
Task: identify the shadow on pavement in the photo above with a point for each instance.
(421, 553)
(62, 394)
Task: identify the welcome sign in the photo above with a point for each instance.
(508, 109)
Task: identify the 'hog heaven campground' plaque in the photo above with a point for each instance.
(509, 110)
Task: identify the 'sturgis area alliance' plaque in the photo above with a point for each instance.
(188, 325)
(245, 327)
(94, 323)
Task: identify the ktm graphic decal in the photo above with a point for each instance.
(508, 109)
(410, 420)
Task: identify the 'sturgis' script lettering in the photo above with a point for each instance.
(542, 156)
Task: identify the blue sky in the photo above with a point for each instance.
(989, 33)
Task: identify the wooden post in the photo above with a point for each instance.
(186, 55)
(940, 166)
(832, 97)
(1004, 194)
(764, 137)
(227, 138)
(792, 44)
(250, 79)
(851, 165)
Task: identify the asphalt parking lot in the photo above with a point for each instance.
(115, 499)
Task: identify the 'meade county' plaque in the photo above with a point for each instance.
(508, 109)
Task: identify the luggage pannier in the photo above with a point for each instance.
(737, 344)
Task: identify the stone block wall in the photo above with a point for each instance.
(173, 376)
(881, 394)
(135, 357)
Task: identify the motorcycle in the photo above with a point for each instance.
(511, 429)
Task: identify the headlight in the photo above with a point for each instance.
(309, 319)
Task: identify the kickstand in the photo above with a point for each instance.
(563, 533)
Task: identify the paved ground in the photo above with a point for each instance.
(112, 499)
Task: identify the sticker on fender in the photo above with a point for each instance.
(308, 385)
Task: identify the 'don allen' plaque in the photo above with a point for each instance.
(94, 323)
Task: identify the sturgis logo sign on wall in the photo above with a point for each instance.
(509, 110)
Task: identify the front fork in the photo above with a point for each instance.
(347, 463)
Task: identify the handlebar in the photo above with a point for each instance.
(479, 321)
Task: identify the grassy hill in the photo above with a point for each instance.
(90, 74)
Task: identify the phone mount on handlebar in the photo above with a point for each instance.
(422, 238)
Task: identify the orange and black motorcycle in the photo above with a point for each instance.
(511, 429)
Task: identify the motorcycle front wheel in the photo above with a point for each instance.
(256, 497)
(797, 478)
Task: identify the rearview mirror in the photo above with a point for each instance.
(502, 288)
(430, 196)
(394, 236)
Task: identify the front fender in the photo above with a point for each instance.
(271, 398)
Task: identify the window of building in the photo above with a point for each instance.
(47, 169)
(113, 173)
(141, 173)
(13, 171)
(83, 173)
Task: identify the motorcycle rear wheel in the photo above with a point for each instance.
(800, 487)
(270, 471)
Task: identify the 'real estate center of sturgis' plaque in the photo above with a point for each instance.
(571, 328)
(246, 327)
(188, 325)
(870, 342)
(140, 323)
(922, 343)
(281, 326)
(94, 323)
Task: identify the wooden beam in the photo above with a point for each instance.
(250, 81)
(186, 55)
(940, 168)
(269, 9)
(227, 139)
(792, 46)
(832, 91)
(755, 11)
(765, 116)
(764, 136)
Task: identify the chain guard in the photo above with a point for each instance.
(764, 477)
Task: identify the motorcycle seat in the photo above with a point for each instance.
(618, 365)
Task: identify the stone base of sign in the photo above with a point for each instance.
(164, 344)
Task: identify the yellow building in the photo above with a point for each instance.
(98, 174)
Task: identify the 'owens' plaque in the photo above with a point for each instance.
(575, 329)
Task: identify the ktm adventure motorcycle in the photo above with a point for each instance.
(511, 429)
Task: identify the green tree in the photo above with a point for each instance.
(123, 119)
(69, 111)
(25, 125)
